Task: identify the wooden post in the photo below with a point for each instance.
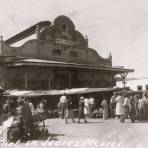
(26, 80)
(123, 76)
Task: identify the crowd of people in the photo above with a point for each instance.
(121, 105)
(23, 112)
(129, 104)
(86, 108)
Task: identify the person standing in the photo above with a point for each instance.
(92, 106)
(141, 106)
(132, 102)
(104, 105)
(7, 107)
(86, 109)
(136, 100)
(119, 105)
(146, 106)
(27, 119)
(81, 110)
(31, 106)
(19, 118)
(62, 102)
(113, 105)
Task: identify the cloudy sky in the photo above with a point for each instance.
(116, 26)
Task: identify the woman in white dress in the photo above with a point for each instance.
(86, 108)
(104, 105)
(119, 105)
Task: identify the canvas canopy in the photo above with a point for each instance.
(36, 93)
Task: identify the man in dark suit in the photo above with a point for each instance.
(27, 119)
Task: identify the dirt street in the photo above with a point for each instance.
(97, 133)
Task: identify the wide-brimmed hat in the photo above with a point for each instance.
(20, 99)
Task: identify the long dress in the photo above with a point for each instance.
(119, 105)
(86, 109)
(105, 109)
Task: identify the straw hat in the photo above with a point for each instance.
(20, 99)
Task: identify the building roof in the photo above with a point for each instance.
(27, 32)
(48, 63)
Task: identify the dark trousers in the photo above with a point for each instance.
(111, 109)
(136, 111)
(126, 114)
(81, 114)
(63, 109)
(92, 108)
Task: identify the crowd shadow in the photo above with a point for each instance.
(91, 122)
(51, 137)
(137, 121)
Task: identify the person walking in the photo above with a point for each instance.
(104, 105)
(127, 108)
(69, 110)
(81, 110)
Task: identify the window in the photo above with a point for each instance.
(73, 54)
(64, 26)
(56, 52)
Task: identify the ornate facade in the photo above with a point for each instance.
(58, 58)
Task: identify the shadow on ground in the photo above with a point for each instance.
(51, 136)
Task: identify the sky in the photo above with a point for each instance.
(116, 26)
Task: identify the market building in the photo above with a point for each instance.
(58, 57)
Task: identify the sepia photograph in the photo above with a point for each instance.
(73, 73)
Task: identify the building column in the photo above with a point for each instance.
(69, 80)
(26, 80)
(49, 82)
(93, 80)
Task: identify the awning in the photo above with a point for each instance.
(93, 90)
(37, 93)
(49, 63)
